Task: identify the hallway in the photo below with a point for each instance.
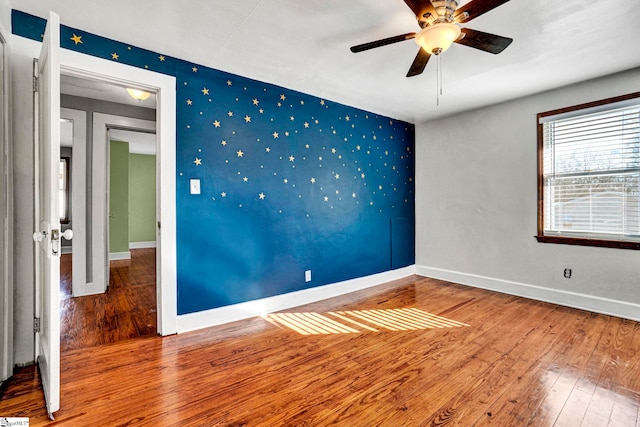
(127, 310)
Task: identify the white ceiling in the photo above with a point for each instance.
(304, 45)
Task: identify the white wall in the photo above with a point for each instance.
(22, 129)
(5, 16)
(476, 201)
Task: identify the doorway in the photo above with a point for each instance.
(123, 161)
(83, 66)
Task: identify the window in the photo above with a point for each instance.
(589, 174)
(63, 189)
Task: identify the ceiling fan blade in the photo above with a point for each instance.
(383, 42)
(419, 63)
(476, 8)
(484, 41)
(421, 7)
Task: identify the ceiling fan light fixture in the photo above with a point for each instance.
(438, 37)
(137, 94)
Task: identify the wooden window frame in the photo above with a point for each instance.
(580, 241)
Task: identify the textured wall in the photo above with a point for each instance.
(290, 182)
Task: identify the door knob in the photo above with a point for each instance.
(68, 234)
(39, 236)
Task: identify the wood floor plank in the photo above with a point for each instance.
(516, 361)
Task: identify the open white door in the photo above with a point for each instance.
(47, 216)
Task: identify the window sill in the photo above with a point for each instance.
(589, 242)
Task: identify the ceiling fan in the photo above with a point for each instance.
(438, 20)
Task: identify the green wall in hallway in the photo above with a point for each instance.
(119, 197)
(142, 198)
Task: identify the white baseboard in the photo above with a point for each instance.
(142, 245)
(245, 310)
(114, 256)
(592, 303)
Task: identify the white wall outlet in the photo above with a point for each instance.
(194, 186)
(307, 276)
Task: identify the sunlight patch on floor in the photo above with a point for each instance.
(356, 321)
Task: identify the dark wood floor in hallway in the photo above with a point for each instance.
(414, 352)
(127, 310)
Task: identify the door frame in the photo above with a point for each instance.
(78, 199)
(92, 68)
(100, 205)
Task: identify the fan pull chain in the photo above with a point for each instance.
(438, 80)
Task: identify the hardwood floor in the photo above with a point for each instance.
(463, 357)
(127, 310)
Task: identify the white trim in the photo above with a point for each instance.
(85, 66)
(592, 303)
(6, 219)
(142, 245)
(245, 310)
(116, 256)
(99, 186)
(78, 200)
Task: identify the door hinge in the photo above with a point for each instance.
(35, 83)
(36, 325)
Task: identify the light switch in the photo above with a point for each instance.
(194, 186)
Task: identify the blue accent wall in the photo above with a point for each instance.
(289, 182)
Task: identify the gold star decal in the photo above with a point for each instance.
(262, 196)
(375, 137)
(279, 104)
(223, 142)
(255, 101)
(223, 194)
(358, 147)
(313, 180)
(307, 146)
(115, 56)
(362, 176)
(195, 70)
(245, 179)
(291, 118)
(301, 102)
(276, 135)
(337, 176)
(286, 181)
(230, 114)
(326, 198)
(216, 123)
(247, 119)
(77, 39)
(161, 57)
(240, 153)
(306, 124)
(282, 97)
(333, 150)
(291, 158)
(353, 195)
(286, 133)
(347, 118)
(229, 83)
(322, 102)
(205, 91)
(197, 161)
(268, 150)
(189, 102)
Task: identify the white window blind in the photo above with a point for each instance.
(591, 174)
